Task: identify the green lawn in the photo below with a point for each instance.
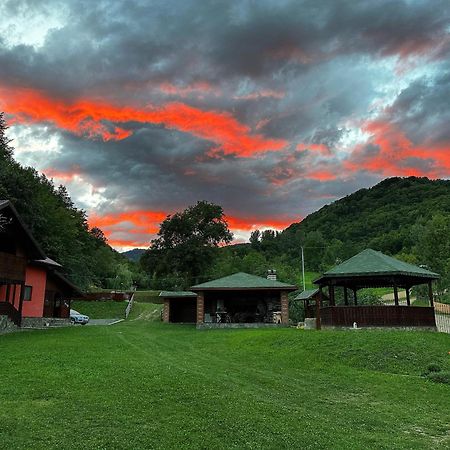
(147, 296)
(100, 310)
(309, 278)
(143, 384)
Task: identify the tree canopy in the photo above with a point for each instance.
(186, 244)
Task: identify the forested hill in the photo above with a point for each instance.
(61, 228)
(404, 217)
(381, 217)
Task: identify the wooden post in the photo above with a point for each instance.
(200, 307)
(355, 297)
(166, 310)
(395, 294)
(345, 295)
(331, 292)
(318, 305)
(430, 293)
(408, 297)
(284, 307)
(22, 293)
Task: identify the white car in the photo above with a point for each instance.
(76, 317)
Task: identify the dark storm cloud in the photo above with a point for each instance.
(305, 72)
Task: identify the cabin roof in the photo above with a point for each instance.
(242, 280)
(177, 294)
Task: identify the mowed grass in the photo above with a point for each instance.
(144, 384)
(108, 309)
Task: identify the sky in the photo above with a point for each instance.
(270, 109)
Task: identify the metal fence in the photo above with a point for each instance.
(442, 315)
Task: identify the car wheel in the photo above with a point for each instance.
(72, 321)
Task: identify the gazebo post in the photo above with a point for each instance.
(408, 297)
(331, 292)
(345, 295)
(430, 293)
(395, 294)
(318, 305)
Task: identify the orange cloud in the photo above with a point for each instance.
(394, 150)
(253, 223)
(88, 117)
(146, 220)
(321, 175)
(121, 229)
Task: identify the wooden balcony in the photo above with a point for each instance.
(12, 268)
(378, 316)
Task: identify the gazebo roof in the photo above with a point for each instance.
(307, 294)
(243, 281)
(370, 263)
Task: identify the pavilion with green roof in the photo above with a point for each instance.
(235, 300)
(372, 269)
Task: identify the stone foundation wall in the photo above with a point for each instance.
(44, 322)
(6, 325)
(210, 325)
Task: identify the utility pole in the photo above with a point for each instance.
(303, 269)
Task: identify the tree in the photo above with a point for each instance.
(254, 238)
(433, 247)
(187, 242)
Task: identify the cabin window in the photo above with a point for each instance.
(27, 293)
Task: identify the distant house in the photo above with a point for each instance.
(236, 300)
(31, 286)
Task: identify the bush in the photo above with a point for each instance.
(439, 377)
(433, 368)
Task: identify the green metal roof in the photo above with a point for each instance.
(307, 294)
(372, 263)
(176, 294)
(243, 280)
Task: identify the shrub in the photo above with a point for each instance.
(440, 377)
(433, 367)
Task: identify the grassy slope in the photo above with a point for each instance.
(100, 310)
(144, 384)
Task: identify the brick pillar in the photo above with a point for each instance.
(284, 308)
(166, 311)
(200, 307)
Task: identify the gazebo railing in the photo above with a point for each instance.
(381, 316)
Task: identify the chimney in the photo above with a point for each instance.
(272, 274)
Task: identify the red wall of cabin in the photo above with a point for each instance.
(37, 278)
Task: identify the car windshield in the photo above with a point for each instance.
(72, 311)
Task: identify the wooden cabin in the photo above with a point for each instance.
(31, 285)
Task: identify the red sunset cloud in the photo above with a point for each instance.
(394, 150)
(85, 117)
(146, 224)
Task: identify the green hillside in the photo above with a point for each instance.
(381, 217)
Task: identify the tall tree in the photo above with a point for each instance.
(186, 243)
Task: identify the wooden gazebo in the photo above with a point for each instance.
(372, 269)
